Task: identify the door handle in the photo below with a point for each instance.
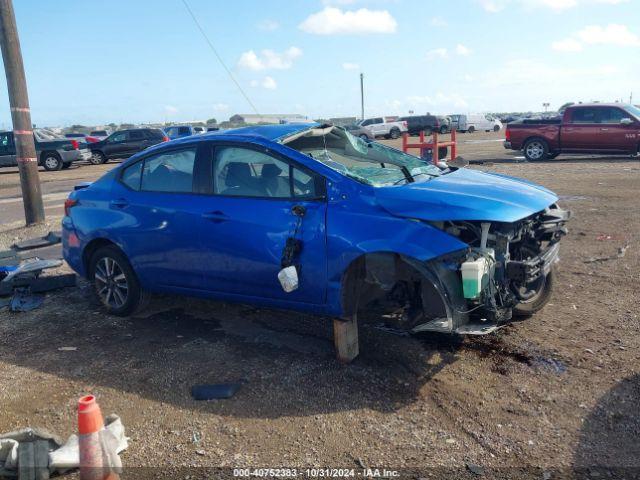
(604, 129)
(215, 217)
(119, 203)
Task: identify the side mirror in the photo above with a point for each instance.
(626, 121)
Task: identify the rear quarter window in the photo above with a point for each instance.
(131, 176)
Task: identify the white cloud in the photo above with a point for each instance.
(267, 82)
(494, 6)
(462, 50)
(350, 66)
(438, 22)
(567, 45)
(268, 25)
(334, 21)
(437, 53)
(170, 109)
(220, 107)
(268, 59)
(612, 34)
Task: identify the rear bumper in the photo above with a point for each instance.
(75, 155)
(71, 249)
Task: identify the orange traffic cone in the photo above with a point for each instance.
(90, 423)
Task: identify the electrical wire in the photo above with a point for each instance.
(215, 52)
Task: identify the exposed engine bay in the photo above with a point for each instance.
(506, 270)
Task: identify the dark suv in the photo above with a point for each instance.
(426, 124)
(124, 143)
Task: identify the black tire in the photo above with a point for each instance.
(443, 129)
(97, 158)
(552, 155)
(471, 129)
(535, 149)
(118, 289)
(496, 128)
(442, 152)
(66, 165)
(51, 161)
(539, 300)
(394, 133)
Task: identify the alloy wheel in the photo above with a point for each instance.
(51, 163)
(111, 283)
(535, 150)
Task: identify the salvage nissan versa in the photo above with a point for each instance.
(311, 218)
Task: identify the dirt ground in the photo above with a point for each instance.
(536, 399)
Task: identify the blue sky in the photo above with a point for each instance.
(145, 61)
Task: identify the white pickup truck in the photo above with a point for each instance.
(381, 127)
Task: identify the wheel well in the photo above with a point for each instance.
(91, 248)
(49, 152)
(389, 280)
(524, 142)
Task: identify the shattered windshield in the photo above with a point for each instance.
(367, 162)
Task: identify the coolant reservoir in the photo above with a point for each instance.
(475, 276)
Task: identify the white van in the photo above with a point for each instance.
(475, 121)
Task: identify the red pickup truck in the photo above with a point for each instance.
(585, 128)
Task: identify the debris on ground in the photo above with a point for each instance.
(212, 392)
(50, 238)
(619, 254)
(24, 300)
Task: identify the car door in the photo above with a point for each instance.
(378, 127)
(115, 145)
(7, 150)
(614, 135)
(581, 129)
(136, 142)
(255, 205)
(155, 206)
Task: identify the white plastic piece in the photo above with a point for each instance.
(32, 265)
(485, 234)
(288, 277)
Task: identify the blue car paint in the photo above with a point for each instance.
(173, 249)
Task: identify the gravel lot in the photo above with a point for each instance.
(558, 391)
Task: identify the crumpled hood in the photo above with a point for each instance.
(466, 195)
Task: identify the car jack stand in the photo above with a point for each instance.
(345, 339)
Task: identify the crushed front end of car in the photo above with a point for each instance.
(506, 271)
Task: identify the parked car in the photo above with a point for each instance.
(198, 130)
(53, 152)
(584, 128)
(124, 143)
(472, 122)
(311, 218)
(383, 127)
(179, 131)
(358, 131)
(100, 134)
(426, 124)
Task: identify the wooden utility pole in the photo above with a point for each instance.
(20, 115)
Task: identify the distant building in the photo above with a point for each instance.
(343, 121)
(253, 119)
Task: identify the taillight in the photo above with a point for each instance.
(406, 125)
(68, 203)
(165, 139)
(507, 133)
(74, 144)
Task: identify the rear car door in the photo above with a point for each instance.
(251, 214)
(136, 142)
(7, 150)
(116, 145)
(581, 129)
(158, 206)
(614, 135)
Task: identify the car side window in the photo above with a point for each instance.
(118, 137)
(250, 173)
(132, 175)
(170, 172)
(378, 120)
(136, 135)
(584, 115)
(611, 114)
(367, 122)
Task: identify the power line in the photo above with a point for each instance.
(215, 52)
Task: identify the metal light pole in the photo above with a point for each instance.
(361, 96)
(546, 105)
(20, 115)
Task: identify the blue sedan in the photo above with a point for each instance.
(311, 218)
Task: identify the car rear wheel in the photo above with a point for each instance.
(536, 149)
(97, 158)
(51, 161)
(443, 129)
(115, 282)
(471, 129)
(394, 133)
(496, 128)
